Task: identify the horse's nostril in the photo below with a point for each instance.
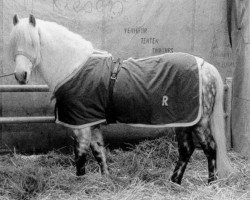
(25, 75)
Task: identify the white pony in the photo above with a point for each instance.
(59, 53)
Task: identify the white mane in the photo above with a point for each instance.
(59, 51)
(64, 35)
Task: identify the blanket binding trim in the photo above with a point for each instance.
(80, 126)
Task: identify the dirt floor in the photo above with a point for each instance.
(140, 172)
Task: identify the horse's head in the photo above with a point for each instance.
(24, 47)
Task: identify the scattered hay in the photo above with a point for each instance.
(139, 173)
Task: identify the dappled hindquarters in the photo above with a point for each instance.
(140, 172)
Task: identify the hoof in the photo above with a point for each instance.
(106, 173)
(175, 180)
(211, 180)
(80, 173)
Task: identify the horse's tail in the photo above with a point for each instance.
(224, 167)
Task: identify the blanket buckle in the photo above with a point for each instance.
(113, 76)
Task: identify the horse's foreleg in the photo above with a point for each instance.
(186, 148)
(208, 145)
(82, 144)
(98, 149)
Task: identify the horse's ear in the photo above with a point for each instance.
(15, 20)
(32, 20)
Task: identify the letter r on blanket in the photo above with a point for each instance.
(165, 100)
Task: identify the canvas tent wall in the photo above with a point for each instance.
(125, 28)
(239, 22)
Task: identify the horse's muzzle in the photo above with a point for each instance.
(21, 78)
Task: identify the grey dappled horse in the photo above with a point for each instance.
(55, 52)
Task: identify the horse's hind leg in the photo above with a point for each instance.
(186, 148)
(98, 149)
(204, 135)
(82, 144)
(203, 129)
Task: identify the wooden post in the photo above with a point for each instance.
(1, 66)
(240, 29)
(227, 109)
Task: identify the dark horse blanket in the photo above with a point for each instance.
(163, 90)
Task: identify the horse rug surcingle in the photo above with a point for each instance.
(162, 91)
